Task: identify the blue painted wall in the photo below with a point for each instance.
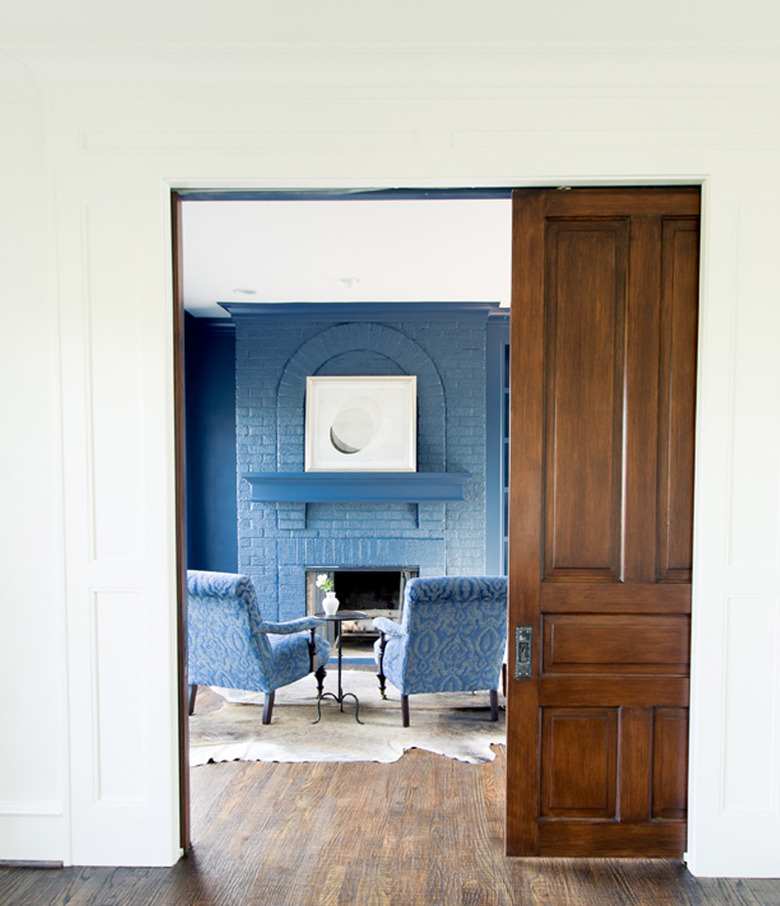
(274, 355)
(210, 412)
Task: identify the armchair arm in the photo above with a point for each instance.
(388, 627)
(290, 625)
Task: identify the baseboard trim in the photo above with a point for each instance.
(16, 863)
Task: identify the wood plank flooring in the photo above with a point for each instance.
(426, 830)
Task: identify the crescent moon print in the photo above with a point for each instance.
(341, 445)
(355, 425)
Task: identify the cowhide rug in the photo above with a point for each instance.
(227, 725)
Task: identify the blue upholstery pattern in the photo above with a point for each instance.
(230, 645)
(452, 635)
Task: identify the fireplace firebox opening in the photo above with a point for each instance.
(377, 591)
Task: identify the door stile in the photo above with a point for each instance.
(525, 514)
(642, 349)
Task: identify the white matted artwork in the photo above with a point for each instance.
(361, 424)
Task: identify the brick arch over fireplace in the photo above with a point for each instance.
(351, 345)
(276, 350)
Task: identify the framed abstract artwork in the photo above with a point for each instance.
(361, 424)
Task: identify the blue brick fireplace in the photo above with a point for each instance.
(435, 522)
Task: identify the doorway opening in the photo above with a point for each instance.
(594, 318)
(329, 249)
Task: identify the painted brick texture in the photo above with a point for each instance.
(276, 542)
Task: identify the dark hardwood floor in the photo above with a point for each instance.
(426, 830)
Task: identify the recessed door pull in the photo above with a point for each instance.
(524, 638)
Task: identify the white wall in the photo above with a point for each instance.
(32, 665)
(112, 133)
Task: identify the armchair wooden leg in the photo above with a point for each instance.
(191, 703)
(380, 674)
(405, 709)
(494, 704)
(320, 675)
(268, 707)
(312, 650)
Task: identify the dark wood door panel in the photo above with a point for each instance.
(588, 690)
(579, 759)
(583, 597)
(585, 311)
(670, 763)
(677, 391)
(624, 766)
(636, 764)
(604, 323)
(603, 305)
(621, 643)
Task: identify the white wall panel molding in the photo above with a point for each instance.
(736, 777)
(755, 448)
(528, 141)
(250, 141)
(10, 808)
(114, 384)
(121, 732)
(606, 139)
(751, 712)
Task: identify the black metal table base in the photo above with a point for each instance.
(336, 619)
(339, 701)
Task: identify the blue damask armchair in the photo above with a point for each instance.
(231, 645)
(451, 638)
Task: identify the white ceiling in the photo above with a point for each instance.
(388, 250)
(401, 21)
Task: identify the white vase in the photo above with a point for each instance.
(330, 603)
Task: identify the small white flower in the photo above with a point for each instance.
(324, 582)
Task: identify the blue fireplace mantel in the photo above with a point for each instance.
(357, 487)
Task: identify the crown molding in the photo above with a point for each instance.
(360, 311)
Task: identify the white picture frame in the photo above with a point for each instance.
(361, 424)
